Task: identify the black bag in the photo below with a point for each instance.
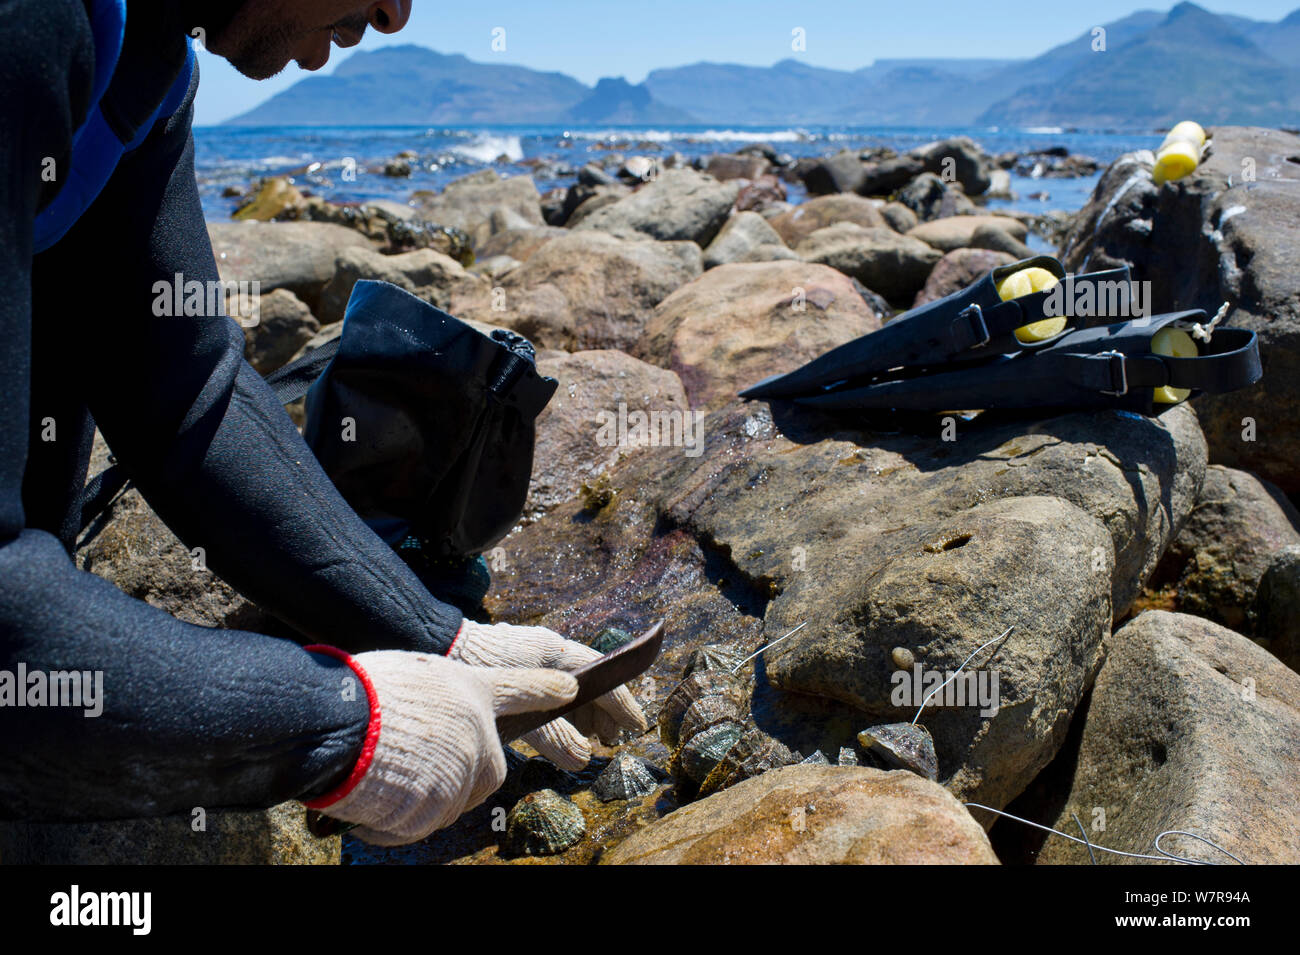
(424, 424)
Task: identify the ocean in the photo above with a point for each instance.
(317, 156)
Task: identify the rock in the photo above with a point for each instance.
(746, 238)
(787, 517)
(956, 232)
(424, 273)
(593, 175)
(886, 177)
(1191, 727)
(759, 196)
(724, 167)
(898, 217)
(737, 324)
(284, 325)
(941, 584)
(586, 289)
(680, 204)
(392, 227)
(599, 198)
(815, 815)
(999, 186)
(275, 836)
(398, 168)
(518, 243)
(1277, 624)
(552, 203)
(638, 169)
(298, 256)
(272, 198)
(468, 203)
(958, 269)
(958, 159)
(1209, 238)
(1051, 164)
(805, 219)
(592, 384)
(136, 552)
(842, 172)
(1237, 525)
(995, 238)
(494, 266)
(931, 198)
(894, 265)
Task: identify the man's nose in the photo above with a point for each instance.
(389, 16)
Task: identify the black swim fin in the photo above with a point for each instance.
(973, 324)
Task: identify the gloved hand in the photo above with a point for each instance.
(437, 753)
(563, 742)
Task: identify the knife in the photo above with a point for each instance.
(594, 680)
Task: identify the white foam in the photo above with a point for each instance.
(486, 148)
(708, 135)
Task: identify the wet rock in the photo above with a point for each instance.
(272, 198)
(298, 256)
(1191, 727)
(746, 238)
(398, 168)
(815, 815)
(584, 290)
(591, 384)
(894, 265)
(469, 203)
(275, 836)
(427, 274)
(283, 326)
(803, 220)
(760, 195)
(737, 324)
(679, 204)
(796, 518)
(959, 158)
(956, 232)
(1277, 622)
(887, 176)
(958, 269)
(931, 198)
(1238, 524)
(1217, 236)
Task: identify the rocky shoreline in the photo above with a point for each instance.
(1149, 566)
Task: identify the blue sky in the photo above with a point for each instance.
(589, 40)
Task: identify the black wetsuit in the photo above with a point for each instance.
(192, 716)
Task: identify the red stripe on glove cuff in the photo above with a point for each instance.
(372, 730)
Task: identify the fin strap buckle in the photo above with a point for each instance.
(1118, 373)
(978, 328)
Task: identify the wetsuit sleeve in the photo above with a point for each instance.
(163, 716)
(207, 443)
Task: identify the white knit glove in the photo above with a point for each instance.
(437, 754)
(563, 742)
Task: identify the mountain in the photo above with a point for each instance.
(1156, 69)
(410, 84)
(1190, 64)
(618, 102)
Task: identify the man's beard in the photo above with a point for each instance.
(269, 48)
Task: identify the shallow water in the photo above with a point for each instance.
(228, 156)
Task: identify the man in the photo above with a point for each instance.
(398, 738)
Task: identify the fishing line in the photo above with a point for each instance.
(1001, 636)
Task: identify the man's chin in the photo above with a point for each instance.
(259, 70)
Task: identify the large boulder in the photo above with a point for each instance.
(931, 198)
(815, 815)
(469, 203)
(746, 237)
(806, 218)
(887, 176)
(894, 265)
(1225, 233)
(957, 232)
(1277, 624)
(298, 256)
(679, 204)
(595, 386)
(1219, 556)
(737, 324)
(1191, 727)
(842, 172)
(726, 166)
(586, 289)
(878, 540)
(958, 269)
(425, 273)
